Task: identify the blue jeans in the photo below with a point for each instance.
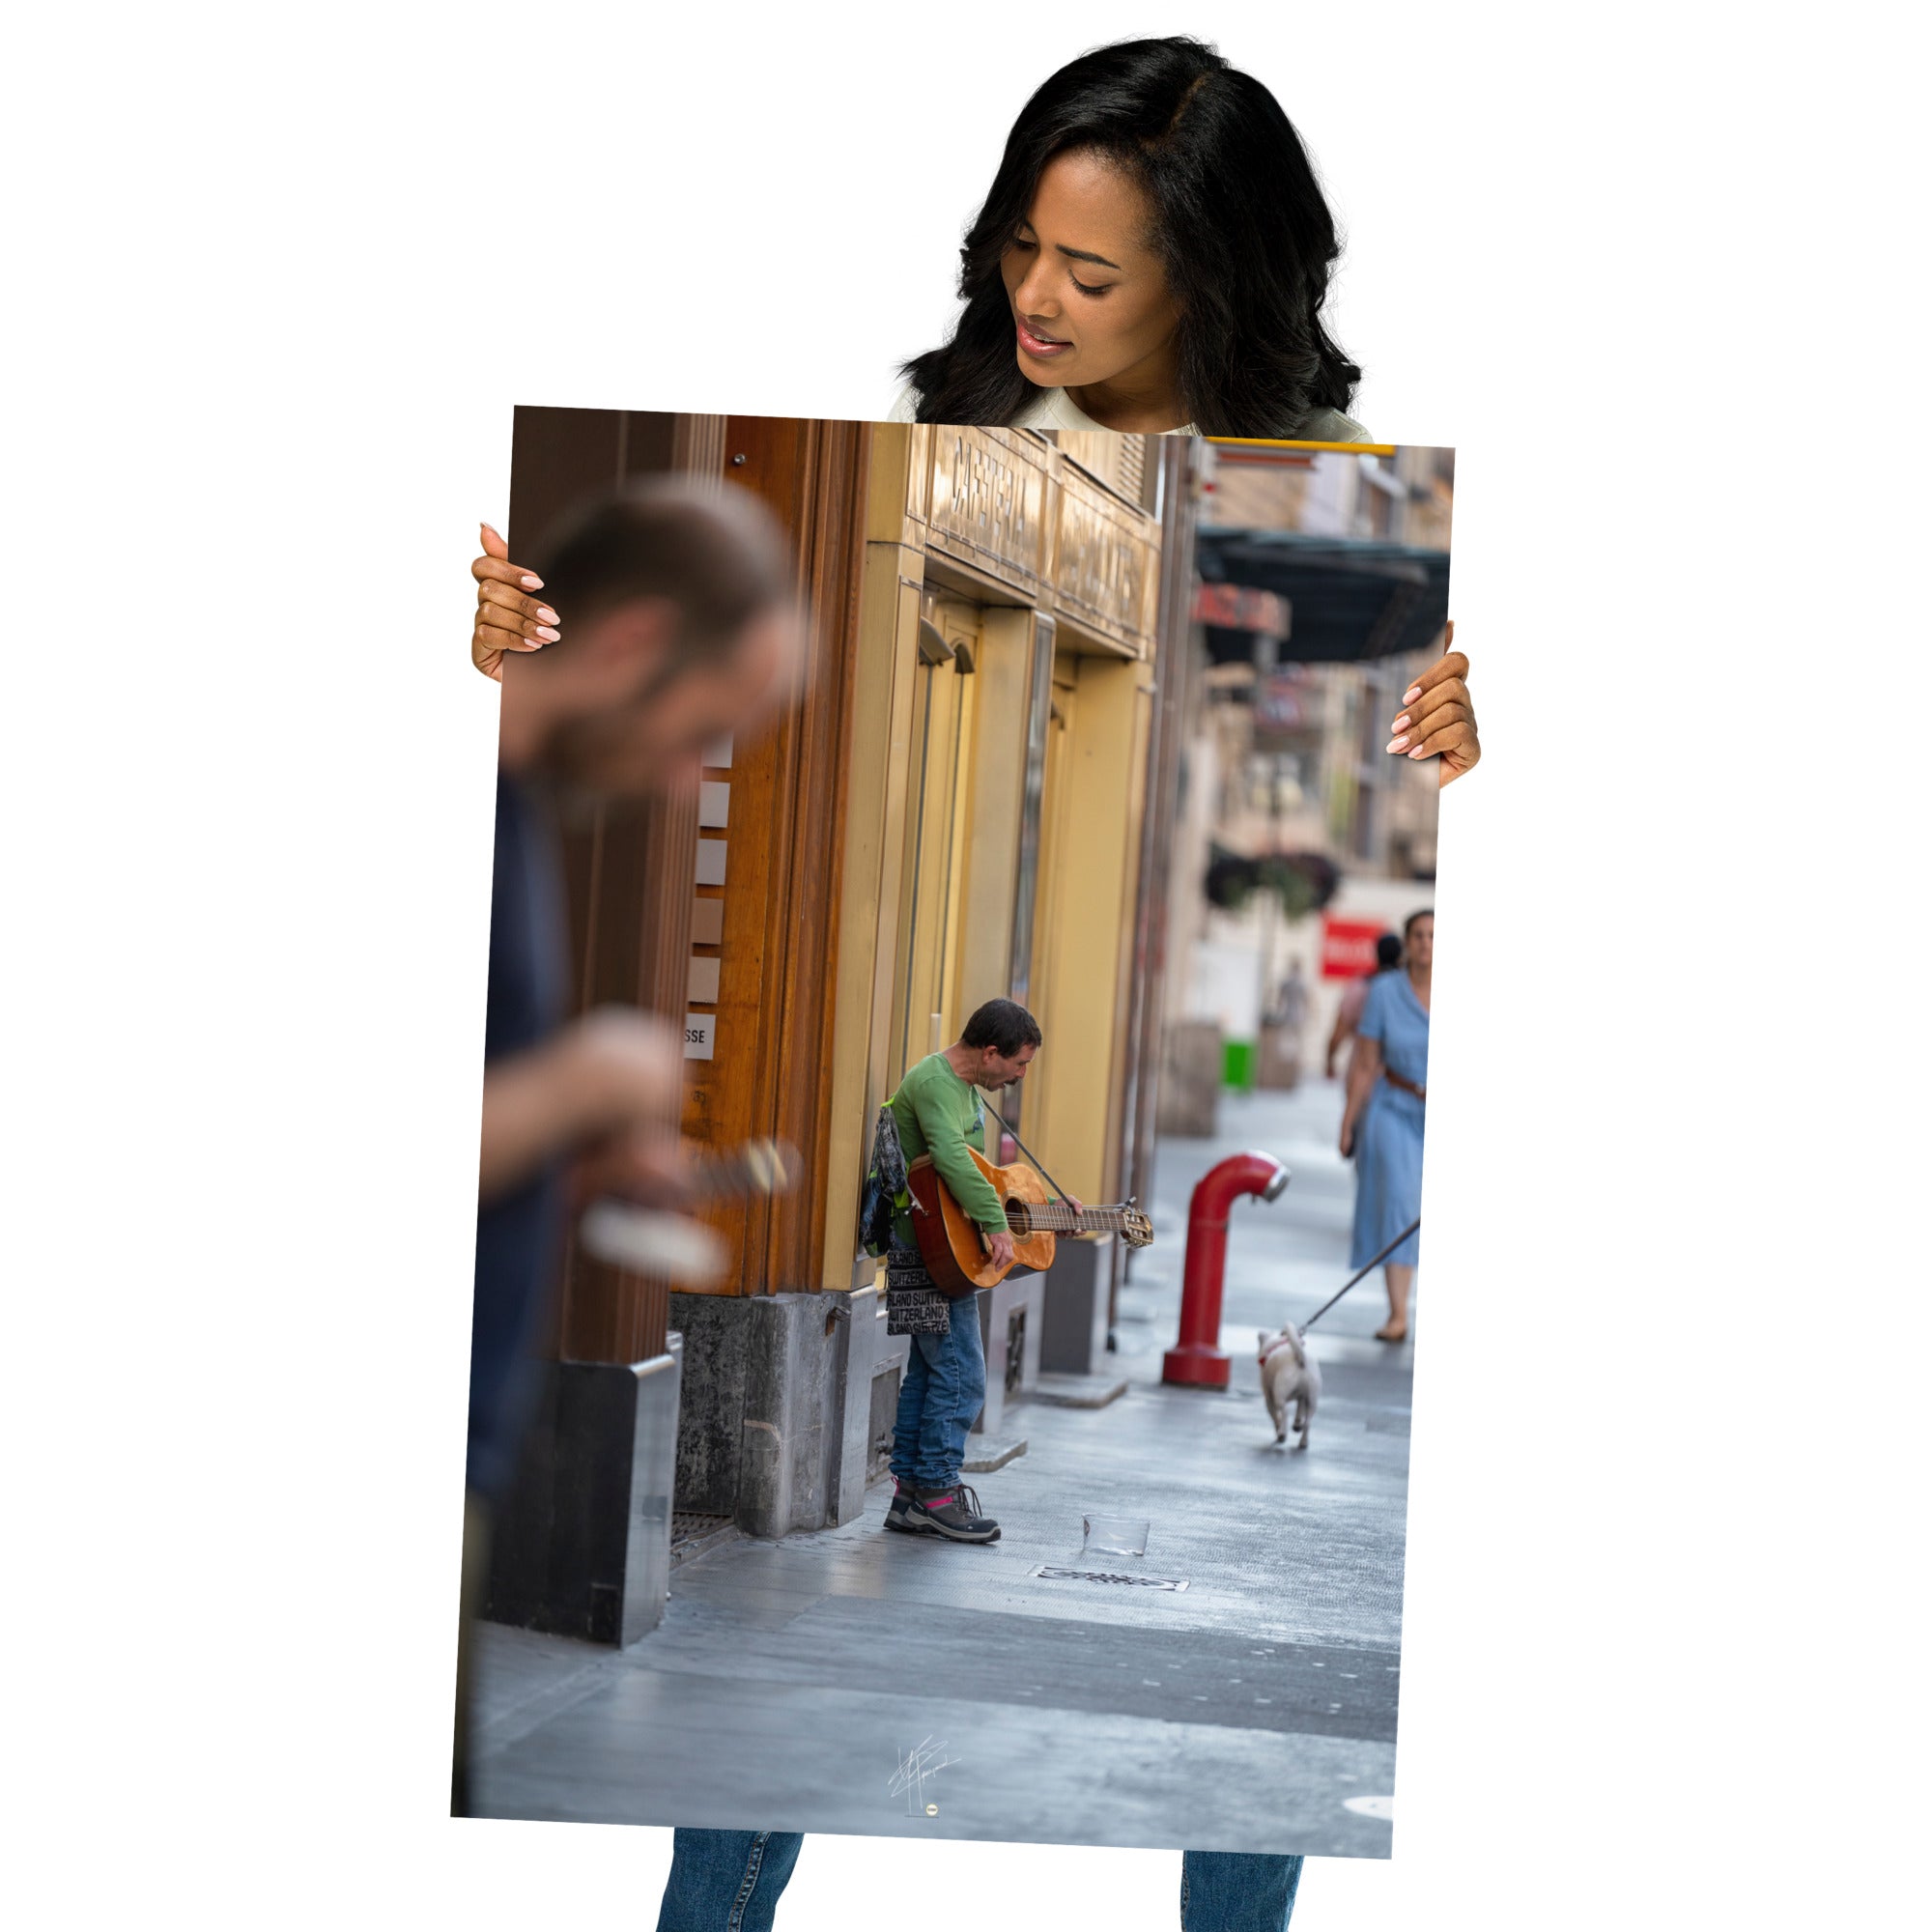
(730, 1882)
(726, 1881)
(1237, 1891)
(944, 1391)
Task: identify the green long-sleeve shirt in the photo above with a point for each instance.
(940, 1114)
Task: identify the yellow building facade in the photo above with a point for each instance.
(1005, 682)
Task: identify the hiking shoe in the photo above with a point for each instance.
(952, 1513)
(902, 1502)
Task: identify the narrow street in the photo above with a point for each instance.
(1254, 1710)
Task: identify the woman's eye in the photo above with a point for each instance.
(1100, 290)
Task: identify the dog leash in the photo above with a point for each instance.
(1355, 1277)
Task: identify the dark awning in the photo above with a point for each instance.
(1351, 600)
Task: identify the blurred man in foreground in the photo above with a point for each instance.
(683, 627)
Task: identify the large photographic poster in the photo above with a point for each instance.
(1110, 726)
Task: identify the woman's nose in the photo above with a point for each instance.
(1034, 296)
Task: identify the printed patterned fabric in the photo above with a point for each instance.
(913, 1305)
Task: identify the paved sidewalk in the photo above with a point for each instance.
(792, 1679)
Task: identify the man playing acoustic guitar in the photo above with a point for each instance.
(937, 1111)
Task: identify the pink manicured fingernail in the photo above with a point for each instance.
(546, 615)
(532, 582)
(548, 636)
(1400, 722)
(1395, 743)
(1413, 692)
(1417, 752)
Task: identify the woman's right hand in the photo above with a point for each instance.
(507, 619)
(1347, 1138)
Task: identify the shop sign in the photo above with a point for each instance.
(988, 503)
(1102, 567)
(1348, 947)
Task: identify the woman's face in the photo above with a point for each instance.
(1420, 945)
(1091, 301)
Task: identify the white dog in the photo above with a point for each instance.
(1290, 1373)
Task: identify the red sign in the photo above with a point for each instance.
(1348, 947)
(1233, 607)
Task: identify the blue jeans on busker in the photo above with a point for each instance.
(944, 1391)
(730, 1882)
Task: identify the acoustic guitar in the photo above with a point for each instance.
(954, 1247)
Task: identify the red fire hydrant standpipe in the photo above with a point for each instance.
(1197, 1360)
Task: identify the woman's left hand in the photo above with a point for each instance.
(1437, 721)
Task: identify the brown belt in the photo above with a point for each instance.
(1406, 1086)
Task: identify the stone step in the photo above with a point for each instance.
(1078, 1391)
(986, 1453)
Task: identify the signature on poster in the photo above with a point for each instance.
(916, 1766)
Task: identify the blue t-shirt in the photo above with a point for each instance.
(519, 1235)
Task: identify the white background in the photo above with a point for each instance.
(277, 278)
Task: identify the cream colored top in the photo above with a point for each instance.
(1055, 409)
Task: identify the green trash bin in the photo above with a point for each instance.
(1237, 1066)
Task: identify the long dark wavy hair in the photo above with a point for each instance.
(1244, 237)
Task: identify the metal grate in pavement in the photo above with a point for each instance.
(691, 1533)
(1053, 1574)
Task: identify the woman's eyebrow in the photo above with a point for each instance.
(1086, 255)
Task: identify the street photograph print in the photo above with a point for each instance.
(955, 1074)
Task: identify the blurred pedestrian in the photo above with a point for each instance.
(683, 627)
(1355, 996)
(1382, 1122)
(1291, 1003)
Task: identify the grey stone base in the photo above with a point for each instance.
(1010, 1325)
(1073, 1316)
(582, 1544)
(783, 1414)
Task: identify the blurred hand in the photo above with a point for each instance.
(646, 1166)
(626, 1071)
(1347, 1138)
(999, 1245)
(1438, 721)
(506, 620)
(1070, 1201)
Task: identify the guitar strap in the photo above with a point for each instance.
(1025, 1150)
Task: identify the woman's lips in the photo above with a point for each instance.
(1041, 345)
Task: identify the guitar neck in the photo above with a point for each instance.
(1057, 1220)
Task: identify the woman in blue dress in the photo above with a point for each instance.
(1381, 1125)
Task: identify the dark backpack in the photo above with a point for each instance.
(886, 1186)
